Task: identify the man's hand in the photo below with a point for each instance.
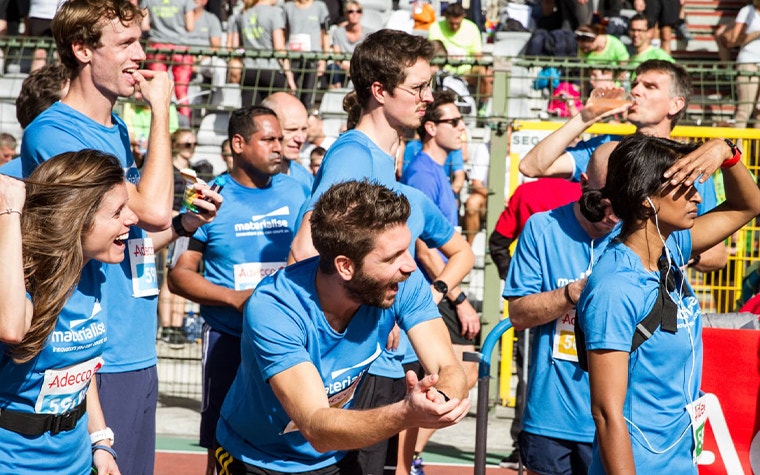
(154, 87)
(604, 102)
(240, 297)
(427, 408)
(393, 338)
(104, 463)
(469, 319)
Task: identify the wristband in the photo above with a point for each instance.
(460, 298)
(567, 295)
(102, 434)
(445, 397)
(733, 160)
(178, 228)
(105, 448)
(10, 211)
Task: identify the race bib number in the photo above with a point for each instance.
(300, 42)
(249, 274)
(142, 260)
(564, 338)
(698, 413)
(64, 389)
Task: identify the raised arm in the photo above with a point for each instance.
(536, 309)
(15, 308)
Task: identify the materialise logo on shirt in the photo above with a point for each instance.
(269, 223)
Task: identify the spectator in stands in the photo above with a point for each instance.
(261, 26)
(294, 123)
(636, 391)
(207, 33)
(744, 34)
(307, 23)
(168, 23)
(479, 159)
(315, 137)
(41, 89)
(99, 42)
(641, 43)
(234, 262)
(7, 147)
(227, 154)
(315, 159)
(345, 39)
(661, 91)
(600, 49)
(663, 15)
(37, 22)
(51, 286)
(460, 36)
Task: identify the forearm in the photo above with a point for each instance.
(540, 160)
(712, 259)
(537, 309)
(155, 192)
(453, 381)
(96, 420)
(614, 444)
(302, 246)
(14, 318)
(193, 286)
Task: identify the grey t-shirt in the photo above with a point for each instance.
(305, 25)
(340, 39)
(167, 20)
(207, 26)
(255, 27)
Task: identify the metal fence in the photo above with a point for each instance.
(507, 92)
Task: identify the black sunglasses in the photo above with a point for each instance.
(187, 146)
(454, 122)
(353, 11)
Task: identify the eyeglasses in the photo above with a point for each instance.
(418, 91)
(186, 146)
(353, 11)
(454, 121)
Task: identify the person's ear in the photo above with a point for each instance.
(236, 144)
(676, 105)
(430, 128)
(345, 267)
(82, 52)
(584, 180)
(376, 89)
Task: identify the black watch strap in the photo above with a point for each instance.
(460, 298)
(178, 228)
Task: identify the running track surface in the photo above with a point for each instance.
(194, 463)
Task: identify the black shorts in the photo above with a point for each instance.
(220, 362)
(662, 12)
(449, 313)
(226, 464)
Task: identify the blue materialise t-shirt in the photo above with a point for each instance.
(582, 152)
(131, 341)
(429, 177)
(301, 174)
(248, 240)
(554, 250)
(664, 373)
(284, 326)
(55, 381)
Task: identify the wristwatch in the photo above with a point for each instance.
(441, 287)
(178, 228)
(460, 298)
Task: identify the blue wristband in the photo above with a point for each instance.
(106, 448)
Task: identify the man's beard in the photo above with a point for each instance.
(370, 291)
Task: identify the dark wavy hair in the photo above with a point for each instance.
(349, 215)
(634, 172)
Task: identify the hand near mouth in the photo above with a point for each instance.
(154, 87)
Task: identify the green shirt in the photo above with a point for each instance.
(650, 53)
(614, 53)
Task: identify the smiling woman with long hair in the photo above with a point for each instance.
(641, 387)
(56, 229)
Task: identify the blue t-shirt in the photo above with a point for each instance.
(664, 373)
(284, 326)
(55, 381)
(301, 174)
(428, 176)
(554, 250)
(582, 152)
(454, 160)
(249, 239)
(131, 342)
(12, 168)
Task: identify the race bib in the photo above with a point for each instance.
(249, 274)
(142, 261)
(300, 42)
(698, 414)
(64, 389)
(564, 338)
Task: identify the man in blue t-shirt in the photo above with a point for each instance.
(554, 256)
(311, 330)
(294, 122)
(249, 240)
(661, 91)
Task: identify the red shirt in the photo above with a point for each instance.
(533, 197)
